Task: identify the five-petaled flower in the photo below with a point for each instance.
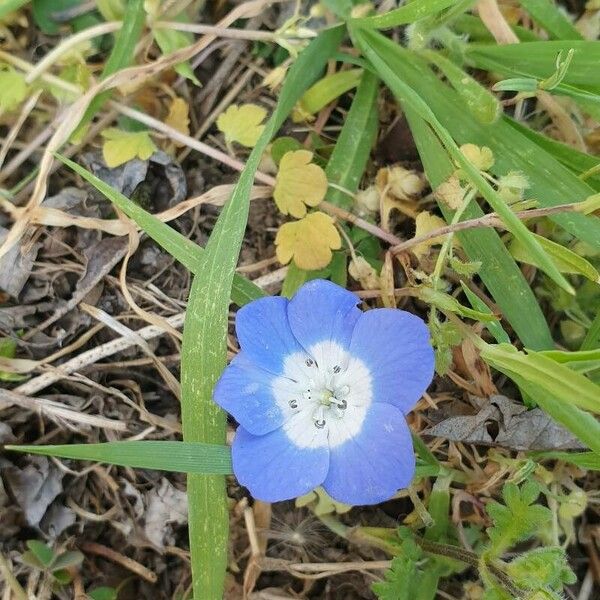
(320, 390)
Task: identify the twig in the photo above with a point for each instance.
(10, 579)
(489, 220)
(116, 557)
(223, 32)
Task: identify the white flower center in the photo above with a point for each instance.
(325, 393)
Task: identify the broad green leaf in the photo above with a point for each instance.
(548, 14)
(517, 519)
(242, 123)
(44, 11)
(72, 558)
(409, 13)
(556, 379)
(204, 351)
(43, 553)
(566, 260)
(103, 593)
(326, 90)
(177, 245)
(384, 55)
(180, 457)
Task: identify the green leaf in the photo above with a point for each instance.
(547, 14)
(9, 6)
(353, 146)
(44, 11)
(387, 58)
(592, 337)
(484, 106)
(409, 13)
(294, 279)
(13, 89)
(43, 553)
(177, 245)
(445, 302)
(566, 260)
(518, 519)
(170, 40)
(103, 593)
(327, 89)
(121, 56)
(73, 558)
(122, 146)
(282, 145)
(585, 460)
(205, 332)
(403, 578)
(494, 327)
(541, 568)
(180, 457)
(538, 59)
(556, 379)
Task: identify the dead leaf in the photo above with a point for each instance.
(503, 422)
(167, 506)
(481, 156)
(424, 224)
(450, 192)
(179, 117)
(16, 264)
(34, 487)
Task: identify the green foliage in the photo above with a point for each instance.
(103, 593)
(549, 565)
(517, 519)
(42, 557)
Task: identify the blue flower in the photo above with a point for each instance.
(320, 390)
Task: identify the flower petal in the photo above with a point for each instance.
(374, 464)
(322, 311)
(264, 333)
(395, 347)
(275, 469)
(255, 397)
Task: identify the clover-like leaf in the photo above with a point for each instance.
(13, 89)
(299, 183)
(481, 156)
(121, 146)
(450, 192)
(242, 124)
(308, 241)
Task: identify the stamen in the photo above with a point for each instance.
(310, 362)
(337, 369)
(293, 404)
(320, 423)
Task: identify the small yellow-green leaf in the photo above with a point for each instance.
(565, 260)
(13, 89)
(121, 146)
(179, 117)
(424, 224)
(242, 124)
(480, 156)
(299, 183)
(308, 241)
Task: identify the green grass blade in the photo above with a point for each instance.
(409, 13)
(121, 55)
(585, 460)
(178, 246)
(9, 6)
(547, 14)
(498, 270)
(181, 457)
(545, 375)
(353, 147)
(205, 332)
(381, 52)
(494, 327)
(592, 338)
(538, 59)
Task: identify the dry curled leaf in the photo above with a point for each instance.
(425, 223)
(450, 192)
(308, 241)
(122, 146)
(364, 273)
(242, 124)
(299, 183)
(481, 156)
(179, 117)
